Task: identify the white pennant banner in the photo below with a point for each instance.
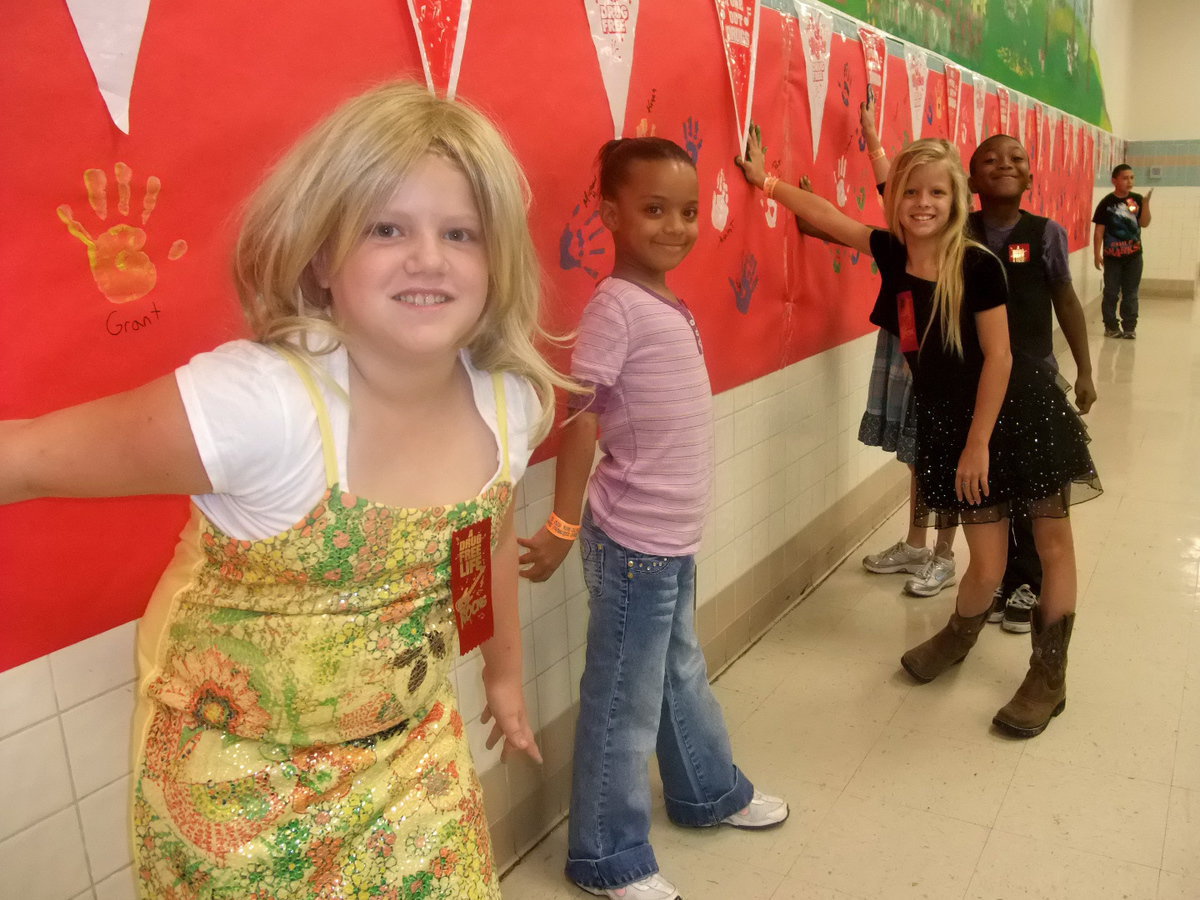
(816, 34)
(111, 34)
(613, 28)
(979, 100)
(917, 65)
(441, 27)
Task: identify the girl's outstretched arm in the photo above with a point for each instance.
(817, 211)
(502, 657)
(875, 152)
(576, 452)
(971, 479)
(137, 442)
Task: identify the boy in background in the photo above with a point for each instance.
(1117, 244)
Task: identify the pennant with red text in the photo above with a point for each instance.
(1002, 97)
(979, 99)
(111, 34)
(954, 78)
(874, 47)
(613, 28)
(917, 65)
(441, 27)
(816, 33)
(739, 36)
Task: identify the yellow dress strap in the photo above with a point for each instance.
(328, 446)
(501, 423)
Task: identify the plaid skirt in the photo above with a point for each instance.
(889, 421)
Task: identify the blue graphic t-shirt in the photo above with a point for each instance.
(1119, 216)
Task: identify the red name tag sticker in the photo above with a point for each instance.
(471, 584)
(908, 322)
(1018, 253)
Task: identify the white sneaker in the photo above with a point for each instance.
(1018, 611)
(937, 574)
(764, 811)
(899, 557)
(652, 887)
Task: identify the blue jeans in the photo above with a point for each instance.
(1122, 276)
(644, 689)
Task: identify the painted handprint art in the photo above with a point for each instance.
(577, 245)
(746, 283)
(692, 142)
(842, 193)
(121, 267)
(720, 202)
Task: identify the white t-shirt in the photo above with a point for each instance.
(256, 429)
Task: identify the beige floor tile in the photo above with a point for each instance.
(872, 849)
(1013, 867)
(1121, 818)
(937, 774)
(1172, 886)
(795, 889)
(1096, 733)
(703, 876)
(1181, 850)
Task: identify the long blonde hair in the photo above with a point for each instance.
(952, 243)
(316, 203)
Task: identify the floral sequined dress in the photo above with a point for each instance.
(299, 734)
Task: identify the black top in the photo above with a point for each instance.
(935, 368)
(1031, 303)
(1119, 216)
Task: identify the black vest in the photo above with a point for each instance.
(1030, 302)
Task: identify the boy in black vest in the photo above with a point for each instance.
(1034, 252)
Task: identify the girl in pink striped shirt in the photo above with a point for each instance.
(645, 683)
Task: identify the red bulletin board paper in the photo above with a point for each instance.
(220, 93)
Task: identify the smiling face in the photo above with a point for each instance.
(1000, 169)
(654, 218)
(924, 209)
(417, 283)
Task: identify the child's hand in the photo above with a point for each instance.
(971, 479)
(1085, 393)
(546, 554)
(866, 113)
(506, 706)
(753, 164)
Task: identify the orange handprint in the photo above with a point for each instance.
(121, 269)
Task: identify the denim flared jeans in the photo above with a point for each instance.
(644, 689)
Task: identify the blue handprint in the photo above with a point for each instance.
(743, 289)
(929, 114)
(845, 83)
(691, 139)
(574, 243)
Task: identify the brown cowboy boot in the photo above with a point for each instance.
(1043, 693)
(927, 661)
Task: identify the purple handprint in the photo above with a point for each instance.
(691, 139)
(743, 288)
(575, 245)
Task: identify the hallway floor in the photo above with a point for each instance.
(900, 790)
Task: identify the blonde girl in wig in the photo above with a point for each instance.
(994, 433)
(297, 734)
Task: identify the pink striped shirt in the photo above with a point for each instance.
(650, 491)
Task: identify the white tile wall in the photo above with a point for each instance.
(1171, 245)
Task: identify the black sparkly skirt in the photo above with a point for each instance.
(1038, 459)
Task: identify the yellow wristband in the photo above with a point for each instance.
(769, 184)
(561, 529)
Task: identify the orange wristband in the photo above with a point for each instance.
(561, 529)
(769, 184)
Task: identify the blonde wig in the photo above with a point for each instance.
(952, 242)
(314, 207)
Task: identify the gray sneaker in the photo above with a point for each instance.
(937, 574)
(899, 557)
(1018, 611)
(996, 613)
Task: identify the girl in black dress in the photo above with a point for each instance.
(994, 433)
